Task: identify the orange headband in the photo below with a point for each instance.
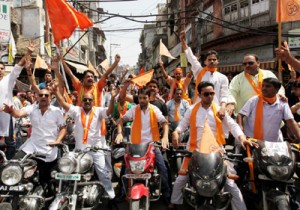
(177, 70)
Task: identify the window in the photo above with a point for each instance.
(234, 8)
(244, 4)
(227, 10)
(255, 1)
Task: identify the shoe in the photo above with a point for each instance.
(120, 198)
(112, 205)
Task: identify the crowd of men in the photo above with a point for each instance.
(245, 106)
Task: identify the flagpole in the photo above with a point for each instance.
(279, 42)
(279, 47)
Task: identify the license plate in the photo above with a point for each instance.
(18, 188)
(137, 176)
(62, 176)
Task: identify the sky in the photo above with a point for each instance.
(129, 46)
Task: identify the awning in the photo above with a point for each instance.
(239, 68)
(79, 67)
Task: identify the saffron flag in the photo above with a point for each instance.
(163, 50)
(143, 79)
(208, 142)
(288, 10)
(12, 50)
(105, 64)
(40, 63)
(64, 19)
(142, 71)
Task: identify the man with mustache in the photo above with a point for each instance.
(89, 85)
(48, 127)
(88, 119)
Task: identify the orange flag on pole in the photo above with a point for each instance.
(40, 63)
(288, 10)
(143, 79)
(64, 19)
(208, 142)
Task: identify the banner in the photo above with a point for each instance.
(48, 49)
(183, 61)
(12, 49)
(4, 22)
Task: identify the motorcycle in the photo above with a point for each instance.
(207, 177)
(77, 185)
(20, 188)
(274, 165)
(143, 178)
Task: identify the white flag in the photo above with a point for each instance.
(163, 50)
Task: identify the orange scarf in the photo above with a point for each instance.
(258, 128)
(67, 97)
(83, 121)
(257, 87)
(123, 110)
(200, 76)
(137, 126)
(176, 113)
(193, 127)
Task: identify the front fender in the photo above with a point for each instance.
(57, 202)
(138, 191)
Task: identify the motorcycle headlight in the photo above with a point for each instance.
(85, 163)
(207, 188)
(67, 164)
(137, 166)
(278, 172)
(11, 175)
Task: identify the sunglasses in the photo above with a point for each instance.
(87, 100)
(206, 94)
(250, 63)
(43, 95)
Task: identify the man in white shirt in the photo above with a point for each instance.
(48, 127)
(88, 119)
(146, 132)
(274, 111)
(203, 111)
(208, 73)
(7, 84)
(176, 108)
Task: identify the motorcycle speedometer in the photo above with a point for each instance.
(11, 175)
(67, 164)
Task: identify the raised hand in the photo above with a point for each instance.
(182, 36)
(31, 46)
(6, 108)
(117, 58)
